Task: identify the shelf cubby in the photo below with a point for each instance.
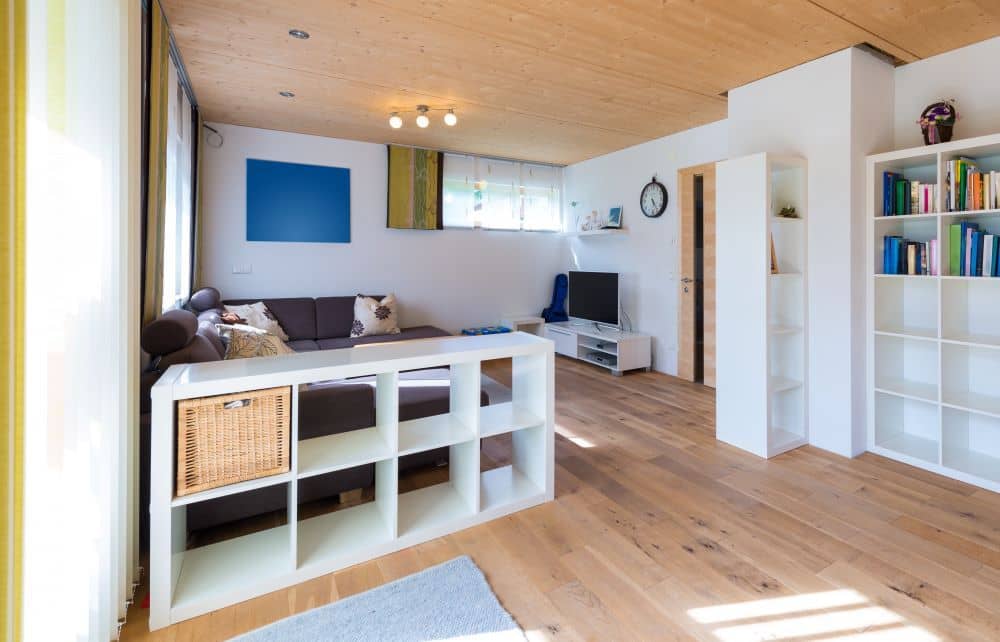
(522, 479)
(971, 378)
(458, 425)
(971, 443)
(906, 307)
(908, 427)
(906, 367)
(971, 311)
(427, 509)
(921, 229)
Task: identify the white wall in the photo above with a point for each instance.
(831, 111)
(968, 75)
(449, 278)
(646, 255)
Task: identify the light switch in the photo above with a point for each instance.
(242, 268)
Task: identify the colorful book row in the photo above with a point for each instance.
(901, 197)
(901, 256)
(972, 252)
(970, 189)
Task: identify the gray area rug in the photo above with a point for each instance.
(451, 601)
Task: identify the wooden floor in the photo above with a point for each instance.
(659, 532)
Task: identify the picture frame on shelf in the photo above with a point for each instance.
(614, 218)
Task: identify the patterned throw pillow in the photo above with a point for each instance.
(244, 341)
(373, 317)
(258, 316)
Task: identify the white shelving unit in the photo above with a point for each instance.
(934, 341)
(761, 321)
(186, 583)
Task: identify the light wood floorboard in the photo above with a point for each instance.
(659, 532)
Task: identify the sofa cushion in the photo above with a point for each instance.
(297, 316)
(303, 345)
(208, 331)
(334, 316)
(199, 350)
(374, 317)
(416, 332)
(205, 299)
(257, 315)
(171, 331)
(245, 342)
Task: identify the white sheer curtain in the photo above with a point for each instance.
(81, 317)
(177, 224)
(497, 194)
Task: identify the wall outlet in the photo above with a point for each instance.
(242, 268)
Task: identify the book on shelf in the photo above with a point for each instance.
(901, 196)
(970, 189)
(971, 251)
(902, 256)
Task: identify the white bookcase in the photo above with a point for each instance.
(934, 341)
(761, 321)
(185, 583)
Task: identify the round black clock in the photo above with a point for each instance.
(653, 199)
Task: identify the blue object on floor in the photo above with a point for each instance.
(556, 312)
(450, 601)
(489, 329)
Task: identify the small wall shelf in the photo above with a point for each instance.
(186, 582)
(933, 342)
(599, 232)
(761, 321)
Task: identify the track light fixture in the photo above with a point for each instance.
(423, 120)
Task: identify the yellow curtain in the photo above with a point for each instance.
(159, 72)
(415, 183)
(13, 102)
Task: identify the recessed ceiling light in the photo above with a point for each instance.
(287, 94)
(298, 33)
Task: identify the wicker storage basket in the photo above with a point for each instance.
(232, 438)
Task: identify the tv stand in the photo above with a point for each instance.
(603, 346)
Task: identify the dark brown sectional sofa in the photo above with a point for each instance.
(189, 336)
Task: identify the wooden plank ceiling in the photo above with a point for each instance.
(549, 80)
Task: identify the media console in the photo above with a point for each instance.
(615, 350)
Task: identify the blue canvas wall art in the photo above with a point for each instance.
(293, 202)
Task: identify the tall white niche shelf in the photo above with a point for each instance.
(761, 322)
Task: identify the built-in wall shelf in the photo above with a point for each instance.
(761, 320)
(607, 231)
(185, 583)
(933, 340)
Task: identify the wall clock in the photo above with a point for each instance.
(653, 199)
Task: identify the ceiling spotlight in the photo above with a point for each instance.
(422, 119)
(450, 118)
(298, 33)
(286, 94)
(395, 121)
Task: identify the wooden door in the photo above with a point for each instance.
(694, 363)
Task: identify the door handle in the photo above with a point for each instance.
(687, 280)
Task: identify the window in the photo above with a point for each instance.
(177, 227)
(497, 194)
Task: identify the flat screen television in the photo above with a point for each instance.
(593, 296)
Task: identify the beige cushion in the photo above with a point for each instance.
(373, 317)
(258, 316)
(244, 341)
